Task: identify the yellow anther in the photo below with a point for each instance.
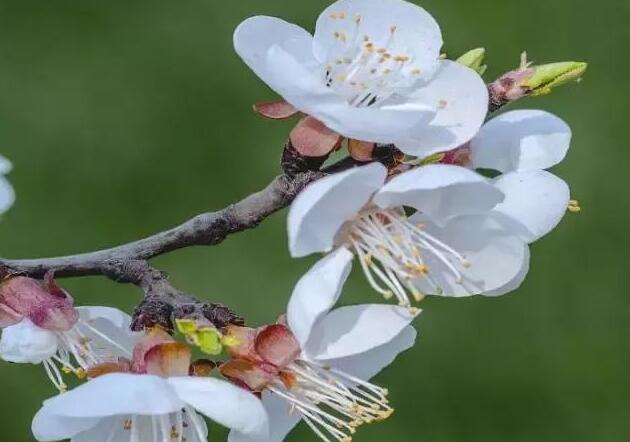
(174, 433)
(418, 296)
(127, 424)
(416, 71)
(381, 50)
(388, 295)
(574, 206)
(333, 16)
(80, 373)
(66, 370)
(413, 311)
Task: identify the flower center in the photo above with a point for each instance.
(185, 425)
(394, 252)
(331, 402)
(365, 73)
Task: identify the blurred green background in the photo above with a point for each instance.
(126, 117)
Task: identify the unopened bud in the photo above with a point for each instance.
(529, 80)
(474, 60)
(45, 303)
(548, 76)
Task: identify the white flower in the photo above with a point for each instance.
(123, 407)
(7, 194)
(469, 234)
(101, 334)
(324, 359)
(371, 72)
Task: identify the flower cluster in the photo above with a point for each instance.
(451, 212)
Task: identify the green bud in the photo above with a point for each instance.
(548, 76)
(209, 341)
(186, 326)
(474, 59)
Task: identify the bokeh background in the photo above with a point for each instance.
(123, 118)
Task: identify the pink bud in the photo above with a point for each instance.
(170, 359)
(244, 342)
(275, 110)
(312, 138)
(46, 304)
(8, 316)
(277, 345)
(153, 338)
(459, 156)
(248, 374)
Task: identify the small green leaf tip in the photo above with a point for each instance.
(548, 76)
(474, 60)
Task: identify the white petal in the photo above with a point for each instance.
(521, 140)
(417, 33)
(112, 430)
(317, 292)
(320, 210)
(348, 331)
(47, 426)
(256, 36)
(495, 255)
(281, 421)
(367, 365)
(224, 403)
(536, 199)
(26, 343)
(461, 98)
(111, 323)
(117, 317)
(7, 195)
(5, 165)
(515, 282)
(115, 394)
(440, 191)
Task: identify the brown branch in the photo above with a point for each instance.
(206, 229)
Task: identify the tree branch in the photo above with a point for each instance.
(206, 229)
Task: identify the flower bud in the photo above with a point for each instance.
(548, 76)
(45, 303)
(27, 343)
(530, 80)
(474, 60)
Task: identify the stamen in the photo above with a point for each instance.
(332, 403)
(393, 252)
